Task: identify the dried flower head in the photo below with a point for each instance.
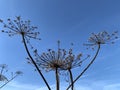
(1, 20)
(3, 70)
(18, 72)
(49, 61)
(61, 59)
(3, 66)
(18, 26)
(3, 78)
(102, 38)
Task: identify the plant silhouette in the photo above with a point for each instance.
(5, 80)
(27, 32)
(61, 59)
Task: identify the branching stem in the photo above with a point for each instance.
(85, 68)
(26, 48)
(8, 81)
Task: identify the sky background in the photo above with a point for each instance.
(67, 21)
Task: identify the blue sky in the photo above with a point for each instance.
(68, 21)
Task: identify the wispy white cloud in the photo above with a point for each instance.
(115, 86)
(81, 85)
(24, 86)
(19, 86)
(89, 85)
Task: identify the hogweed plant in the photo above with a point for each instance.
(59, 60)
(27, 32)
(5, 80)
(94, 40)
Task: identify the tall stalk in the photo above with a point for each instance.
(85, 68)
(57, 79)
(26, 48)
(71, 79)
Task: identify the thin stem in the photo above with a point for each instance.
(1, 72)
(26, 48)
(71, 79)
(86, 67)
(57, 79)
(8, 81)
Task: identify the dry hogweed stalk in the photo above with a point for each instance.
(18, 26)
(5, 80)
(102, 38)
(61, 58)
(58, 61)
(27, 32)
(2, 71)
(97, 40)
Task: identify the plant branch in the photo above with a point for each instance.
(8, 81)
(71, 78)
(86, 67)
(26, 48)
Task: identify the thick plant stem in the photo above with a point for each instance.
(26, 48)
(71, 79)
(8, 81)
(86, 67)
(57, 79)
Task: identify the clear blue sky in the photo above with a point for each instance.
(68, 21)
